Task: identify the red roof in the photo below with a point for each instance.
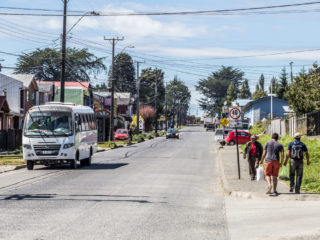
(84, 85)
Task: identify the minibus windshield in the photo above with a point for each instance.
(48, 124)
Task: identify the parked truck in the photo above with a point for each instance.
(207, 120)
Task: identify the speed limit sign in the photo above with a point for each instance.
(235, 113)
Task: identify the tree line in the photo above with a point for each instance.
(173, 99)
(228, 84)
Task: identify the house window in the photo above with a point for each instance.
(27, 91)
(21, 98)
(5, 92)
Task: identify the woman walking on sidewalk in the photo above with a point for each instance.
(271, 152)
(253, 153)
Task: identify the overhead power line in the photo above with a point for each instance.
(207, 12)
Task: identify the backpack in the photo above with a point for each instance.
(296, 152)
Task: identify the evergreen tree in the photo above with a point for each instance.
(124, 73)
(231, 93)
(259, 94)
(257, 87)
(214, 88)
(261, 82)
(283, 84)
(245, 90)
(274, 83)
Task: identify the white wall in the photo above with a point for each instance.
(12, 88)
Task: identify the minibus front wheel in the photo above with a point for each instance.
(30, 164)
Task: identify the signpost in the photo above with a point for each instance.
(224, 121)
(235, 114)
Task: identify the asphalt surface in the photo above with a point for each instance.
(159, 189)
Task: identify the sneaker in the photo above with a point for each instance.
(269, 190)
(297, 192)
(291, 189)
(276, 193)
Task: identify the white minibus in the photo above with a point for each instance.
(59, 133)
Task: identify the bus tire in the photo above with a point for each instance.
(30, 164)
(88, 161)
(73, 164)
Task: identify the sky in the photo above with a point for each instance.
(189, 46)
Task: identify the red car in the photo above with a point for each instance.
(243, 137)
(121, 134)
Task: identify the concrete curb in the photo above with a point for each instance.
(253, 195)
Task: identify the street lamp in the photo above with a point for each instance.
(92, 13)
(291, 71)
(129, 46)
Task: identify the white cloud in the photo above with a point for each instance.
(210, 52)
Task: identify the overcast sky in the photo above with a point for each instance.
(188, 46)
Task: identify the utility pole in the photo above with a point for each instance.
(113, 41)
(138, 97)
(166, 105)
(63, 52)
(155, 101)
(291, 72)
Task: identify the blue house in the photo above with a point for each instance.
(259, 109)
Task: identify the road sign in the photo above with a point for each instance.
(234, 113)
(140, 124)
(224, 121)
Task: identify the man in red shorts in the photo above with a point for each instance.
(271, 153)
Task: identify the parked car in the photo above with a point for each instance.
(243, 137)
(121, 134)
(221, 134)
(210, 126)
(172, 133)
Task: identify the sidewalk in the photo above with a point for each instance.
(245, 188)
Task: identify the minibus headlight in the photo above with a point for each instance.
(68, 145)
(27, 146)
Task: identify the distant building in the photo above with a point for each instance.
(259, 109)
(79, 93)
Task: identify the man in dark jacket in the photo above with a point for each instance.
(253, 153)
(295, 153)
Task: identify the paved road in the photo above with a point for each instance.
(159, 189)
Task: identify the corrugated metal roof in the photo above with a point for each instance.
(26, 79)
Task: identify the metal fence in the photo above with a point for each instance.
(308, 124)
(10, 139)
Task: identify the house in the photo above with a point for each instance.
(29, 94)
(4, 114)
(46, 92)
(79, 93)
(259, 109)
(122, 99)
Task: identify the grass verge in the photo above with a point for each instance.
(311, 173)
(14, 162)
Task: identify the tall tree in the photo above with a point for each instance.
(245, 90)
(273, 85)
(151, 81)
(257, 87)
(259, 94)
(46, 64)
(231, 93)
(214, 88)
(261, 82)
(303, 94)
(178, 99)
(283, 84)
(124, 74)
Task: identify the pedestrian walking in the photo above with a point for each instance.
(130, 134)
(295, 153)
(271, 153)
(253, 153)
